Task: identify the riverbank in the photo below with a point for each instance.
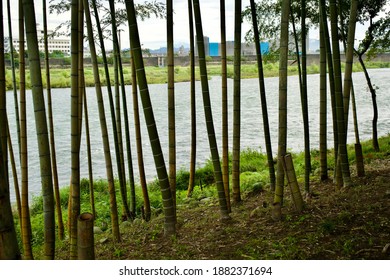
(60, 78)
(351, 223)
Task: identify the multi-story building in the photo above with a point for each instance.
(54, 43)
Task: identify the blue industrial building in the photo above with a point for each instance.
(246, 49)
(214, 49)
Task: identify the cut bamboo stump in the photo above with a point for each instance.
(85, 237)
(292, 182)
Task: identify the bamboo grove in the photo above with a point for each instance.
(335, 20)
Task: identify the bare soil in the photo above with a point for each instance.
(351, 223)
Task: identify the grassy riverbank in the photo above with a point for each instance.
(352, 223)
(60, 78)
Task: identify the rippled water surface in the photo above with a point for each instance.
(251, 133)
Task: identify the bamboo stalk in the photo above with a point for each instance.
(292, 182)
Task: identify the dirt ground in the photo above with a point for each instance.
(351, 223)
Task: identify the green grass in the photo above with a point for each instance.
(60, 78)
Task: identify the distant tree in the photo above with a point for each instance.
(146, 52)
(57, 54)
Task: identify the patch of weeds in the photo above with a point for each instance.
(348, 247)
(181, 249)
(345, 217)
(229, 230)
(373, 225)
(303, 218)
(251, 253)
(252, 250)
(252, 160)
(118, 253)
(204, 176)
(312, 238)
(251, 181)
(174, 239)
(288, 218)
(182, 179)
(154, 234)
(328, 226)
(287, 248)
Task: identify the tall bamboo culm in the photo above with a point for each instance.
(118, 154)
(14, 88)
(103, 125)
(282, 140)
(191, 183)
(225, 111)
(332, 89)
(118, 59)
(171, 102)
(264, 107)
(208, 113)
(75, 130)
(41, 129)
(9, 249)
(342, 160)
(323, 107)
(168, 203)
(51, 127)
(236, 103)
(116, 113)
(25, 219)
(138, 139)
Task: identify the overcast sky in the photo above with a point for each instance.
(153, 31)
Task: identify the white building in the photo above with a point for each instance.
(54, 44)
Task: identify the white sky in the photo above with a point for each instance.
(153, 31)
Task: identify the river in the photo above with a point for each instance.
(251, 130)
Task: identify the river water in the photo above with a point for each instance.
(251, 131)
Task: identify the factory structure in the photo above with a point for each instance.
(247, 49)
